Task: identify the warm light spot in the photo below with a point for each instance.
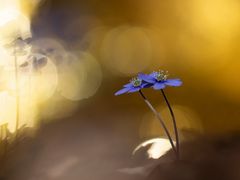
(159, 147)
(13, 24)
(7, 15)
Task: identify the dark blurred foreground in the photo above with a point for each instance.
(72, 150)
(204, 158)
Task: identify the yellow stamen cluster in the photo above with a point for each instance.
(161, 75)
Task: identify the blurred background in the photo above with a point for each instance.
(91, 48)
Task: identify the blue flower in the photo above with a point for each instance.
(136, 84)
(159, 80)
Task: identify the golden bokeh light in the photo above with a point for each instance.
(31, 82)
(80, 78)
(32, 90)
(93, 40)
(44, 81)
(13, 24)
(52, 47)
(7, 113)
(126, 50)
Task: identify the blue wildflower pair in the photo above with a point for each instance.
(158, 81)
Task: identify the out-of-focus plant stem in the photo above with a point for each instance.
(17, 90)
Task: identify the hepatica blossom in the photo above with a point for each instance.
(135, 85)
(159, 80)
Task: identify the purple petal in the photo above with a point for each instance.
(147, 78)
(128, 85)
(122, 91)
(153, 75)
(146, 85)
(173, 82)
(159, 85)
(135, 89)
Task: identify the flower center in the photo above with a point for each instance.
(136, 82)
(161, 75)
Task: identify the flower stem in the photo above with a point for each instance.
(161, 121)
(174, 121)
(17, 90)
